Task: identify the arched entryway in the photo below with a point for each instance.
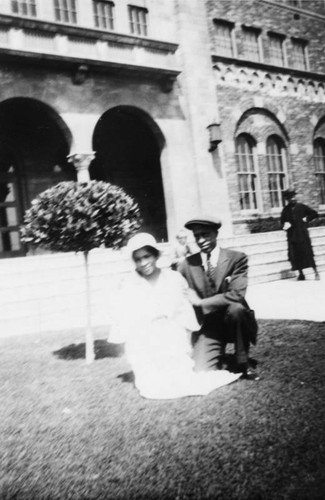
(128, 144)
(34, 144)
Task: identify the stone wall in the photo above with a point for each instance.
(261, 100)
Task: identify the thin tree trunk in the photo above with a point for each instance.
(90, 352)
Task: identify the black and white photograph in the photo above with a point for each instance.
(162, 249)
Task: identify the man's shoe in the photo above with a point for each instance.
(317, 277)
(301, 277)
(250, 374)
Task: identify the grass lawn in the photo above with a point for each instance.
(74, 431)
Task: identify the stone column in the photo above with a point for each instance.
(81, 162)
(197, 83)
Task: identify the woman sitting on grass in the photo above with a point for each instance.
(155, 320)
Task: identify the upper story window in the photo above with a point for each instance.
(276, 169)
(138, 20)
(299, 54)
(245, 153)
(104, 14)
(276, 49)
(224, 38)
(24, 7)
(319, 160)
(251, 44)
(65, 11)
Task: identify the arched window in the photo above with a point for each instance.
(246, 172)
(276, 169)
(319, 159)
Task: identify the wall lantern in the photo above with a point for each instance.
(215, 135)
(80, 75)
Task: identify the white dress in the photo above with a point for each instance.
(155, 321)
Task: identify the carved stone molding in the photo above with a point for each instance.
(81, 162)
(307, 89)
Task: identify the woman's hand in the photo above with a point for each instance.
(193, 298)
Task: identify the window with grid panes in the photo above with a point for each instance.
(24, 7)
(246, 172)
(103, 14)
(9, 212)
(223, 38)
(319, 160)
(276, 171)
(138, 20)
(299, 54)
(66, 11)
(276, 49)
(251, 44)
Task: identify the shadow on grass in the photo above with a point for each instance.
(127, 377)
(103, 349)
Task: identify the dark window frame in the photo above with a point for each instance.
(319, 162)
(66, 11)
(26, 8)
(300, 59)
(277, 56)
(252, 51)
(104, 14)
(227, 43)
(138, 20)
(276, 161)
(247, 173)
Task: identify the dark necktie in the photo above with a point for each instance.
(210, 273)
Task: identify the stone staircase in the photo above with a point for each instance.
(47, 292)
(267, 254)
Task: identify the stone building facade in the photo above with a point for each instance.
(90, 89)
(269, 68)
(127, 92)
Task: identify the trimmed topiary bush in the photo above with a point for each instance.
(78, 217)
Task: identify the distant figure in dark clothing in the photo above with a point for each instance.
(294, 219)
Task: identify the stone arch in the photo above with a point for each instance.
(34, 144)
(267, 82)
(242, 77)
(311, 89)
(319, 130)
(301, 89)
(290, 86)
(278, 84)
(260, 122)
(128, 145)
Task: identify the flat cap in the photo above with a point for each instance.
(204, 221)
(289, 193)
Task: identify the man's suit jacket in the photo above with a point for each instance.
(230, 283)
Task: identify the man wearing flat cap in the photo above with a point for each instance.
(217, 278)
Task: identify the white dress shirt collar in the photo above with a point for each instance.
(213, 257)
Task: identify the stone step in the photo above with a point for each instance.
(261, 238)
(278, 245)
(270, 256)
(280, 264)
(280, 275)
(278, 272)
